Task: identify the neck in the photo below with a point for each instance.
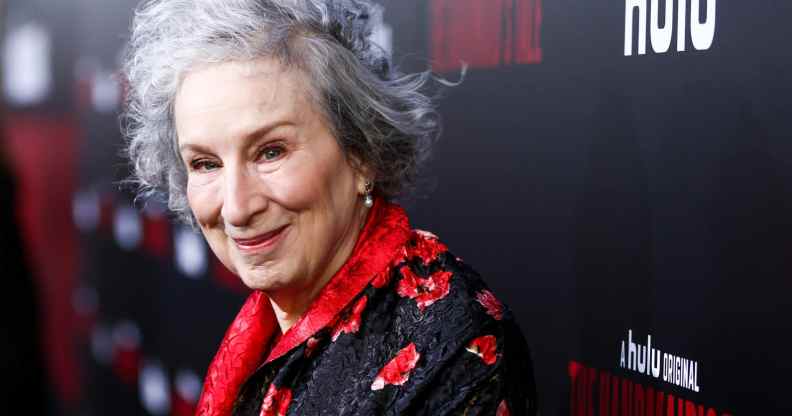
(287, 313)
(290, 305)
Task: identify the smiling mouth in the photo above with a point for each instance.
(261, 241)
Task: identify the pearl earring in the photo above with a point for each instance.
(368, 200)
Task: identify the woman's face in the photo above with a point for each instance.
(271, 189)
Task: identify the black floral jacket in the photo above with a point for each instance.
(404, 327)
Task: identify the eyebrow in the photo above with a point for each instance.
(258, 132)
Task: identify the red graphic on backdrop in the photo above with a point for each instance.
(592, 389)
(43, 151)
(485, 34)
(156, 235)
(126, 364)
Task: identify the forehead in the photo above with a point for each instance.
(227, 98)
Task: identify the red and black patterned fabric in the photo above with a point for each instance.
(404, 327)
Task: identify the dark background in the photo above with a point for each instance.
(596, 193)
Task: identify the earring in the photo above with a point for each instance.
(368, 200)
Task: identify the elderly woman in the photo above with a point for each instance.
(280, 131)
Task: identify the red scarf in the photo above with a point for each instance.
(246, 340)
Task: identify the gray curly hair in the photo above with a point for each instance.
(378, 115)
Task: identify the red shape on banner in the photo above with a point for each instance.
(581, 381)
(591, 379)
(639, 400)
(604, 393)
(670, 405)
(42, 149)
(156, 235)
(528, 25)
(573, 369)
(181, 406)
(126, 364)
(649, 402)
(626, 397)
(106, 211)
(659, 403)
(635, 398)
(485, 34)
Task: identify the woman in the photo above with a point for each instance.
(280, 131)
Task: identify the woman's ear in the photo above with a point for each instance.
(363, 175)
(364, 183)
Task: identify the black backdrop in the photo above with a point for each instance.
(597, 193)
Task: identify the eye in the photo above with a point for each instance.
(203, 165)
(271, 153)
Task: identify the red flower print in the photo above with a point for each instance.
(397, 371)
(503, 409)
(351, 323)
(426, 246)
(425, 291)
(310, 346)
(276, 402)
(486, 347)
(427, 234)
(492, 305)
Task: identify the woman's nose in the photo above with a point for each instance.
(243, 197)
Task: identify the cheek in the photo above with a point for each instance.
(205, 207)
(203, 202)
(301, 189)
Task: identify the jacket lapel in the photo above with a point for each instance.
(240, 353)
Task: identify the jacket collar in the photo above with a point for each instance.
(246, 340)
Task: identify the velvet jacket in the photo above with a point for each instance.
(404, 327)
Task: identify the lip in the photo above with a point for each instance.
(262, 242)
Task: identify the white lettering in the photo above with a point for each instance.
(695, 377)
(702, 34)
(630, 6)
(641, 359)
(661, 37)
(684, 376)
(681, 28)
(654, 363)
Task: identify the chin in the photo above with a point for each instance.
(255, 283)
(259, 281)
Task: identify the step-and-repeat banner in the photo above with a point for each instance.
(619, 171)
